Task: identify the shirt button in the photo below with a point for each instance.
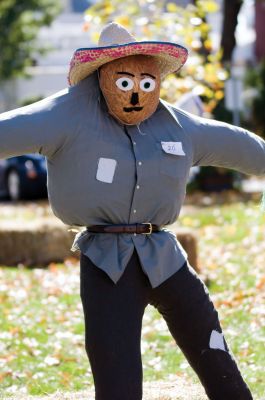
(140, 163)
(137, 187)
(134, 143)
(134, 211)
(134, 234)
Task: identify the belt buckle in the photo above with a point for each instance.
(150, 228)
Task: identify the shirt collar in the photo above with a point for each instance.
(168, 107)
(90, 83)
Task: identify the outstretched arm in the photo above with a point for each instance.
(219, 144)
(37, 128)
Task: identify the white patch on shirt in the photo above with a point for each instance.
(106, 170)
(173, 148)
(217, 341)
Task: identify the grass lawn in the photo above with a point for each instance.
(42, 330)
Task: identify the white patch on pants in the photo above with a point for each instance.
(217, 341)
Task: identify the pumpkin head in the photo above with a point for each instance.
(131, 86)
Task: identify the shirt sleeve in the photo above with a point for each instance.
(37, 128)
(220, 144)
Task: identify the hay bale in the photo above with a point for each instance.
(188, 240)
(45, 242)
(34, 245)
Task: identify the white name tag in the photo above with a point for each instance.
(173, 148)
(106, 170)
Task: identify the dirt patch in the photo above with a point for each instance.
(179, 390)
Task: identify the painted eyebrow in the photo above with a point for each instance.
(152, 76)
(125, 73)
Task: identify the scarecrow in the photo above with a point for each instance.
(118, 160)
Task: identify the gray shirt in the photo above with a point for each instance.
(101, 173)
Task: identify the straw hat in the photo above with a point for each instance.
(116, 42)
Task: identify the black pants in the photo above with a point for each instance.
(113, 322)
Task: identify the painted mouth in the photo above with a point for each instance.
(130, 109)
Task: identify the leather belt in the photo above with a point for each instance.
(144, 228)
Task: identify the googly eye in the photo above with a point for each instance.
(147, 84)
(125, 83)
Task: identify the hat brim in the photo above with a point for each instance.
(170, 57)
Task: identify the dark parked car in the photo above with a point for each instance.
(23, 177)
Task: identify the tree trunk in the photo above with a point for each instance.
(260, 29)
(228, 40)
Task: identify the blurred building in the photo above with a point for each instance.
(50, 73)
